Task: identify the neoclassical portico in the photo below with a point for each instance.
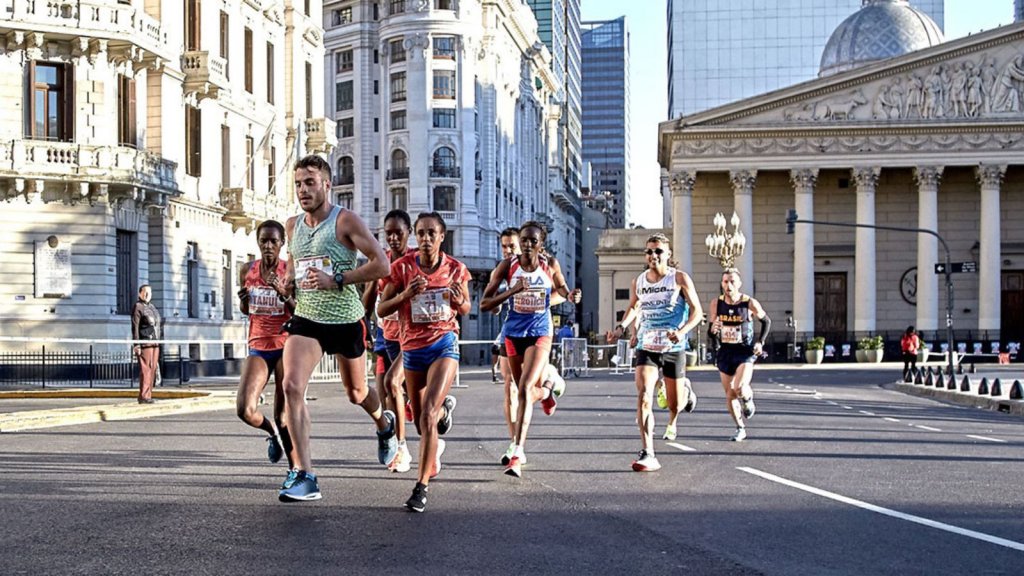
(861, 146)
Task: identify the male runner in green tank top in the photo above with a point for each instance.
(323, 242)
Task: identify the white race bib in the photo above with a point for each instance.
(530, 302)
(431, 306)
(731, 335)
(656, 341)
(263, 301)
(303, 265)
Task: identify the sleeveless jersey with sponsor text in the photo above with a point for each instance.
(737, 323)
(529, 314)
(267, 313)
(662, 308)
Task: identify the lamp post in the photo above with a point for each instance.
(792, 218)
(723, 245)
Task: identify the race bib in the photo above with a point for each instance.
(656, 341)
(731, 335)
(431, 306)
(263, 301)
(303, 265)
(530, 302)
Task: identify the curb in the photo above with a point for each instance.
(95, 393)
(182, 403)
(1004, 405)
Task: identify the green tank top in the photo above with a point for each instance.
(319, 247)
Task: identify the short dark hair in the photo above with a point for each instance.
(314, 161)
(143, 287)
(400, 215)
(274, 224)
(435, 216)
(509, 232)
(538, 226)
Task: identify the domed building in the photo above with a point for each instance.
(900, 130)
(881, 29)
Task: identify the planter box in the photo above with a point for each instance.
(814, 356)
(862, 355)
(874, 356)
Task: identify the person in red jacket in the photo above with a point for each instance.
(909, 344)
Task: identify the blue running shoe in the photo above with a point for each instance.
(305, 488)
(274, 449)
(387, 441)
(289, 480)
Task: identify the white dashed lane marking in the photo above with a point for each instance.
(866, 413)
(986, 438)
(682, 447)
(887, 419)
(928, 428)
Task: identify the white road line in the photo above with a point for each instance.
(986, 438)
(890, 419)
(928, 428)
(832, 403)
(887, 512)
(681, 447)
(866, 413)
(845, 407)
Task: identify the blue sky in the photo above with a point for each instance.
(646, 21)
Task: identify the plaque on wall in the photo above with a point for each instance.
(53, 269)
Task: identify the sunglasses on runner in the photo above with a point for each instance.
(657, 251)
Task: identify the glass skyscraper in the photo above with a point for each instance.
(720, 52)
(606, 113)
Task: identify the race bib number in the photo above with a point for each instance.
(431, 306)
(263, 301)
(731, 335)
(530, 302)
(303, 266)
(656, 341)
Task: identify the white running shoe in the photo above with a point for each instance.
(748, 407)
(740, 435)
(402, 461)
(646, 462)
(670, 433)
(437, 459)
(508, 454)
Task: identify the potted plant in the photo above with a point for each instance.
(862, 349)
(873, 348)
(814, 350)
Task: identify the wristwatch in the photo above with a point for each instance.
(339, 279)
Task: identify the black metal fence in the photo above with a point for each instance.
(52, 367)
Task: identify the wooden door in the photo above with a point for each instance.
(830, 306)
(1012, 321)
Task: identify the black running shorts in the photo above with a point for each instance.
(672, 364)
(349, 340)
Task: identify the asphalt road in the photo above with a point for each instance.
(839, 475)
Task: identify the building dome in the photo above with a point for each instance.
(880, 29)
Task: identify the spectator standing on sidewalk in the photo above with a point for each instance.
(909, 344)
(146, 326)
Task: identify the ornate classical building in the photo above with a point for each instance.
(929, 138)
(448, 106)
(141, 144)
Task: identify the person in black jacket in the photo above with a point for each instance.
(146, 326)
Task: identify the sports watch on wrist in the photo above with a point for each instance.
(339, 279)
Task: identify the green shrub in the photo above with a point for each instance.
(816, 343)
(871, 343)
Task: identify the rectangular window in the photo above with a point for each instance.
(343, 61)
(376, 204)
(622, 293)
(192, 279)
(309, 90)
(396, 7)
(398, 87)
(398, 120)
(51, 105)
(376, 124)
(444, 118)
(248, 60)
(444, 198)
(443, 5)
(341, 16)
(397, 49)
(227, 288)
(225, 43)
(272, 170)
(444, 84)
(225, 156)
(376, 162)
(126, 121)
(376, 12)
(192, 25)
(250, 163)
(193, 141)
(376, 56)
(444, 47)
(343, 95)
(127, 270)
(346, 128)
(270, 73)
(376, 87)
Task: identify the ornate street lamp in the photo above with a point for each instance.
(724, 246)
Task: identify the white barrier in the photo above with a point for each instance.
(623, 359)
(575, 357)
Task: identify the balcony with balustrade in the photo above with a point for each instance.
(320, 135)
(246, 209)
(205, 74)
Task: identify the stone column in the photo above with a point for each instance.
(743, 198)
(990, 177)
(864, 267)
(803, 250)
(928, 178)
(681, 184)
(606, 300)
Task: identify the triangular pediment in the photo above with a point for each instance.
(976, 79)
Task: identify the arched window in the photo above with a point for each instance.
(399, 165)
(345, 174)
(444, 163)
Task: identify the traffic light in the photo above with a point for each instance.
(791, 218)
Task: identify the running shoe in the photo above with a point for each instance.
(274, 449)
(550, 403)
(304, 488)
(748, 407)
(508, 454)
(558, 386)
(740, 435)
(402, 461)
(289, 480)
(670, 433)
(514, 468)
(387, 443)
(691, 401)
(418, 501)
(437, 458)
(646, 462)
(408, 411)
(662, 398)
(445, 424)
